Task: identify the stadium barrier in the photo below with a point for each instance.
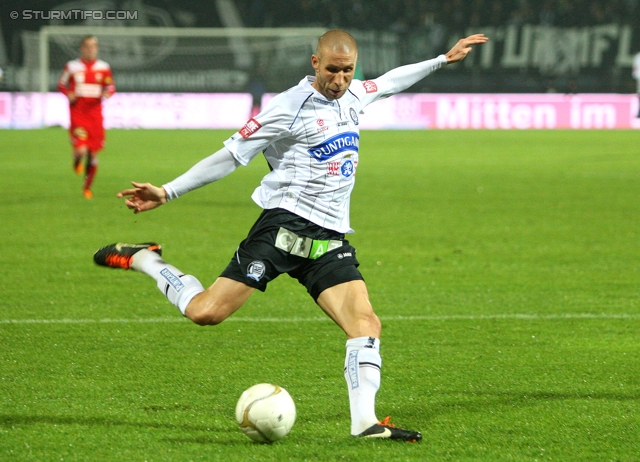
(403, 111)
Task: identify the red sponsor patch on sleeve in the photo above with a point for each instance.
(370, 86)
(249, 128)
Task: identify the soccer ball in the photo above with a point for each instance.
(265, 412)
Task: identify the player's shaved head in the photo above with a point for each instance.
(336, 40)
(334, 62)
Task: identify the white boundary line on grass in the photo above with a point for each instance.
(453, 317)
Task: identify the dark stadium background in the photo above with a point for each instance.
(422, 29)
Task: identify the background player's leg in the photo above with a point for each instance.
(91, 169)
(79, 153)
(348, 305)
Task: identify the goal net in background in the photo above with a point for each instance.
(152, 59)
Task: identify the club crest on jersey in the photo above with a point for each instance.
(249, 128)
(354, 115)
(347, 141)
(347, 169)
(80, 133)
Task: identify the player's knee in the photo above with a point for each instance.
(204, 317)
(368, 324)
(209, 314)
(373, 321)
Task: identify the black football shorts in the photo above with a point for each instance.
(282, 242)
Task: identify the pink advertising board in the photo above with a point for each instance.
(403, 111)
(501, 111)
(132, 110)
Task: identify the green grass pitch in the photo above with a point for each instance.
(504, 266)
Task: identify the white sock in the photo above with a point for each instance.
(178, 287)
(362, 372)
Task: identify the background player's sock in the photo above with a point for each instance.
(362, 372)
(77, 164)
(92, 168)
(179, 288)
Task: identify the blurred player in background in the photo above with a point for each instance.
(636, 75)
(85, 81)
(310, 137)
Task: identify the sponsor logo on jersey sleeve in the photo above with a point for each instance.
(249, 128)
(343, 142)
(370, 86)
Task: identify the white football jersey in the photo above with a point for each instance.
(312, 146)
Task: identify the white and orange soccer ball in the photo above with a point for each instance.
(265, 412)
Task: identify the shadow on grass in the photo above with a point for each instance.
(208, 440)
(479, 401)
(13, 420)
(545, 395)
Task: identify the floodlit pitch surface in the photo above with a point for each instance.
(504, 266)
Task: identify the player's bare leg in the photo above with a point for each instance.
(79, 154)
(218, 302)
(349, 307)
(204, 307)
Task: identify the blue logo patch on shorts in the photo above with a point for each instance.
(255, 270)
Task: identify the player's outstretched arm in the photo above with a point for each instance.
(143, 197)
(463, 47)
(401, 78)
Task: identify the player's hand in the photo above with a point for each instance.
(463, 47)
(143, 197)
(72, 97)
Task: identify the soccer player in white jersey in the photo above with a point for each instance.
(310, 137)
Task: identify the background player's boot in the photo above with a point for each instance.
(387, 430)
(87, 193)
(120, 255)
